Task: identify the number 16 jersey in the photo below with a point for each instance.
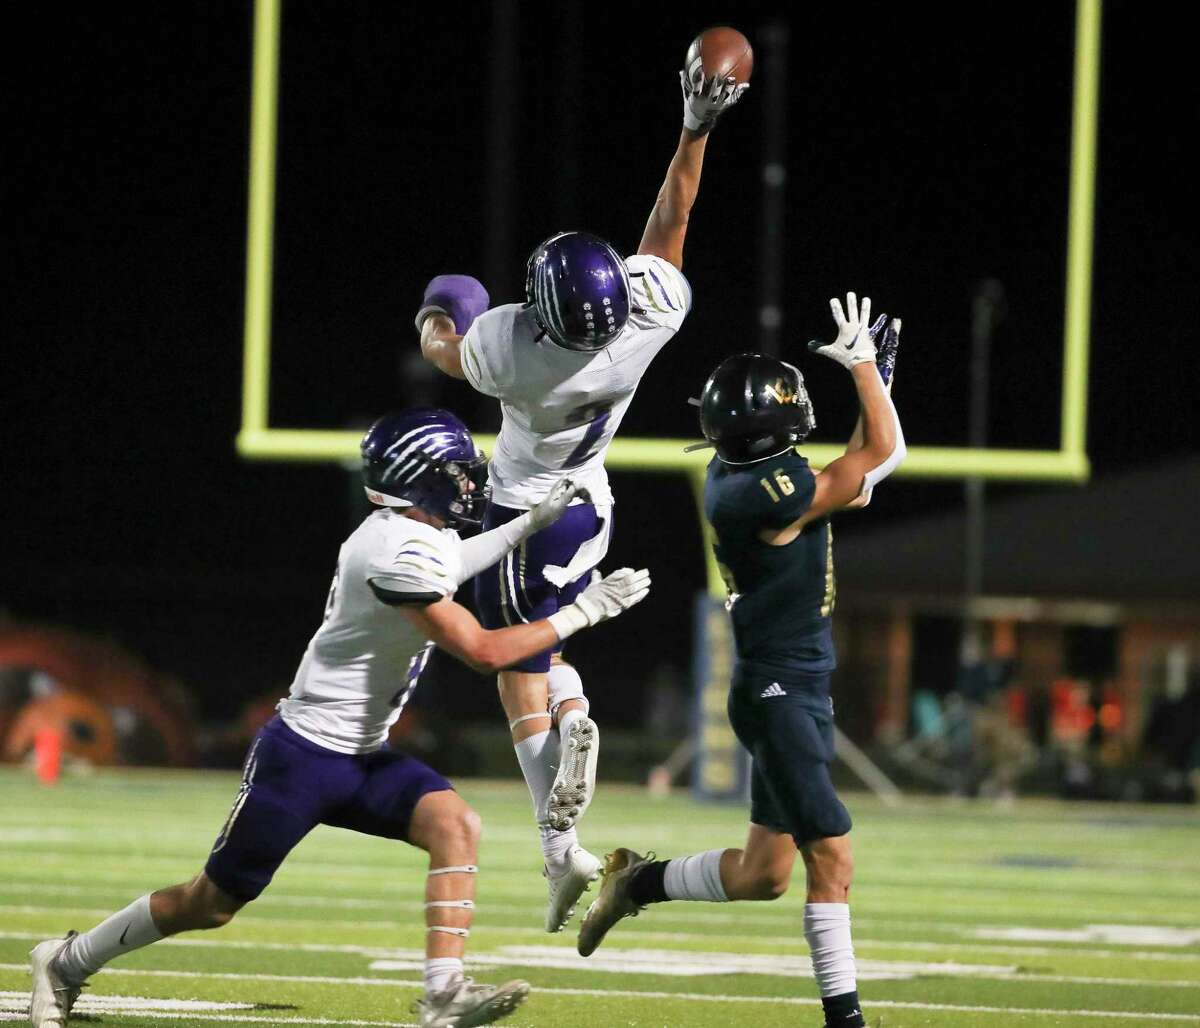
(562, 407)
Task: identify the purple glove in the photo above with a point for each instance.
(885, 354)
(885, 358)
(460, 297)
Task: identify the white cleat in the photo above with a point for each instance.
(52, 996)
(575, 783)
(465, 1004)
(583, 868)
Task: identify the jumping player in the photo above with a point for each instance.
(565, 365)
(770, 513)
(324, 758)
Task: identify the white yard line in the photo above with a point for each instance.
(386, 952)
(479, 960)
(691, 997)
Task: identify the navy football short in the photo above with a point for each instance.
(290, 785)
(514, 592)
(787, 726)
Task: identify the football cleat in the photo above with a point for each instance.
(575, 782)
(464, 1004)
(583, 868)
(613, 902)
(52, 996)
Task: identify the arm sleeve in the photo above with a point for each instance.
(482, 551)
(788, 470)
(660, 291)
(414, 570)
(481, 353)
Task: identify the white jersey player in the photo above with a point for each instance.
(324, 759)
(565, 366)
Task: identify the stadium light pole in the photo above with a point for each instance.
(774, 37)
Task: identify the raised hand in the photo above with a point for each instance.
(854, 343)
(705, 100)
(886, 358)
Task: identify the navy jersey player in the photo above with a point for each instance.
(565, 365)
(324, 759)
(770, 514)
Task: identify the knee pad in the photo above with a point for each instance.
(565, 684)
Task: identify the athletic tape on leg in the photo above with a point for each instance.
(462, 933)
(526, 717)
(457, 869)
(564, 684)
(458, 904)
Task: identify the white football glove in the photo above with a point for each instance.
(705, 101)
(603, 599)
(555, 504)
(853, 344)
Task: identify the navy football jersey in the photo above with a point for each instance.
(781, 596)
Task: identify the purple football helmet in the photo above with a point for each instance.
(425, 457)
(579, 290)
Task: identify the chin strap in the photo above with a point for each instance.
(457, 904)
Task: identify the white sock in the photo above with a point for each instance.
(567, 719)
(556, 846)
(123, 932)
(697, 877)
(538, 756)
(440, 972)
(827, 929)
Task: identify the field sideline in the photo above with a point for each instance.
(1043, 914)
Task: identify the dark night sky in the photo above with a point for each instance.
(927, 150)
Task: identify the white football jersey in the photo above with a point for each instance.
(561, 407)
(363, 664)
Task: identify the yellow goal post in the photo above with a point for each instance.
(257, 440)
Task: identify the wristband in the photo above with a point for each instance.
(426, 312)
(568, 621)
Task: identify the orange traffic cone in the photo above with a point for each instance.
(47, 749)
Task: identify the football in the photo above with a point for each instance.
(722, 51)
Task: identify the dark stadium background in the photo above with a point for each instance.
(125, 509)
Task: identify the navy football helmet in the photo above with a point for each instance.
(425, 457)
(578, 287)
(754, 407)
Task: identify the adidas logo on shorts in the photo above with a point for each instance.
(771, 690)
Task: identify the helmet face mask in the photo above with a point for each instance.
(426, 458)
(578, 288)
(755, 407)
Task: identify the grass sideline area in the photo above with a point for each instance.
(1041, 914)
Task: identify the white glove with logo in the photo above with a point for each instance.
(853, 344)
(555, 504)
(705, 101)
(603, 599)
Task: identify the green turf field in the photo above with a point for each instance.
(1045, 914)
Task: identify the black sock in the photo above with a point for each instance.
(843, 1011)
(648, 884)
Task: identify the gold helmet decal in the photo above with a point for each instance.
(781, 392)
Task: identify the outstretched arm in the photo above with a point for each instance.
(882, 442)
(668, 222)
(886, 363)
(704, 101)
(455, 629)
